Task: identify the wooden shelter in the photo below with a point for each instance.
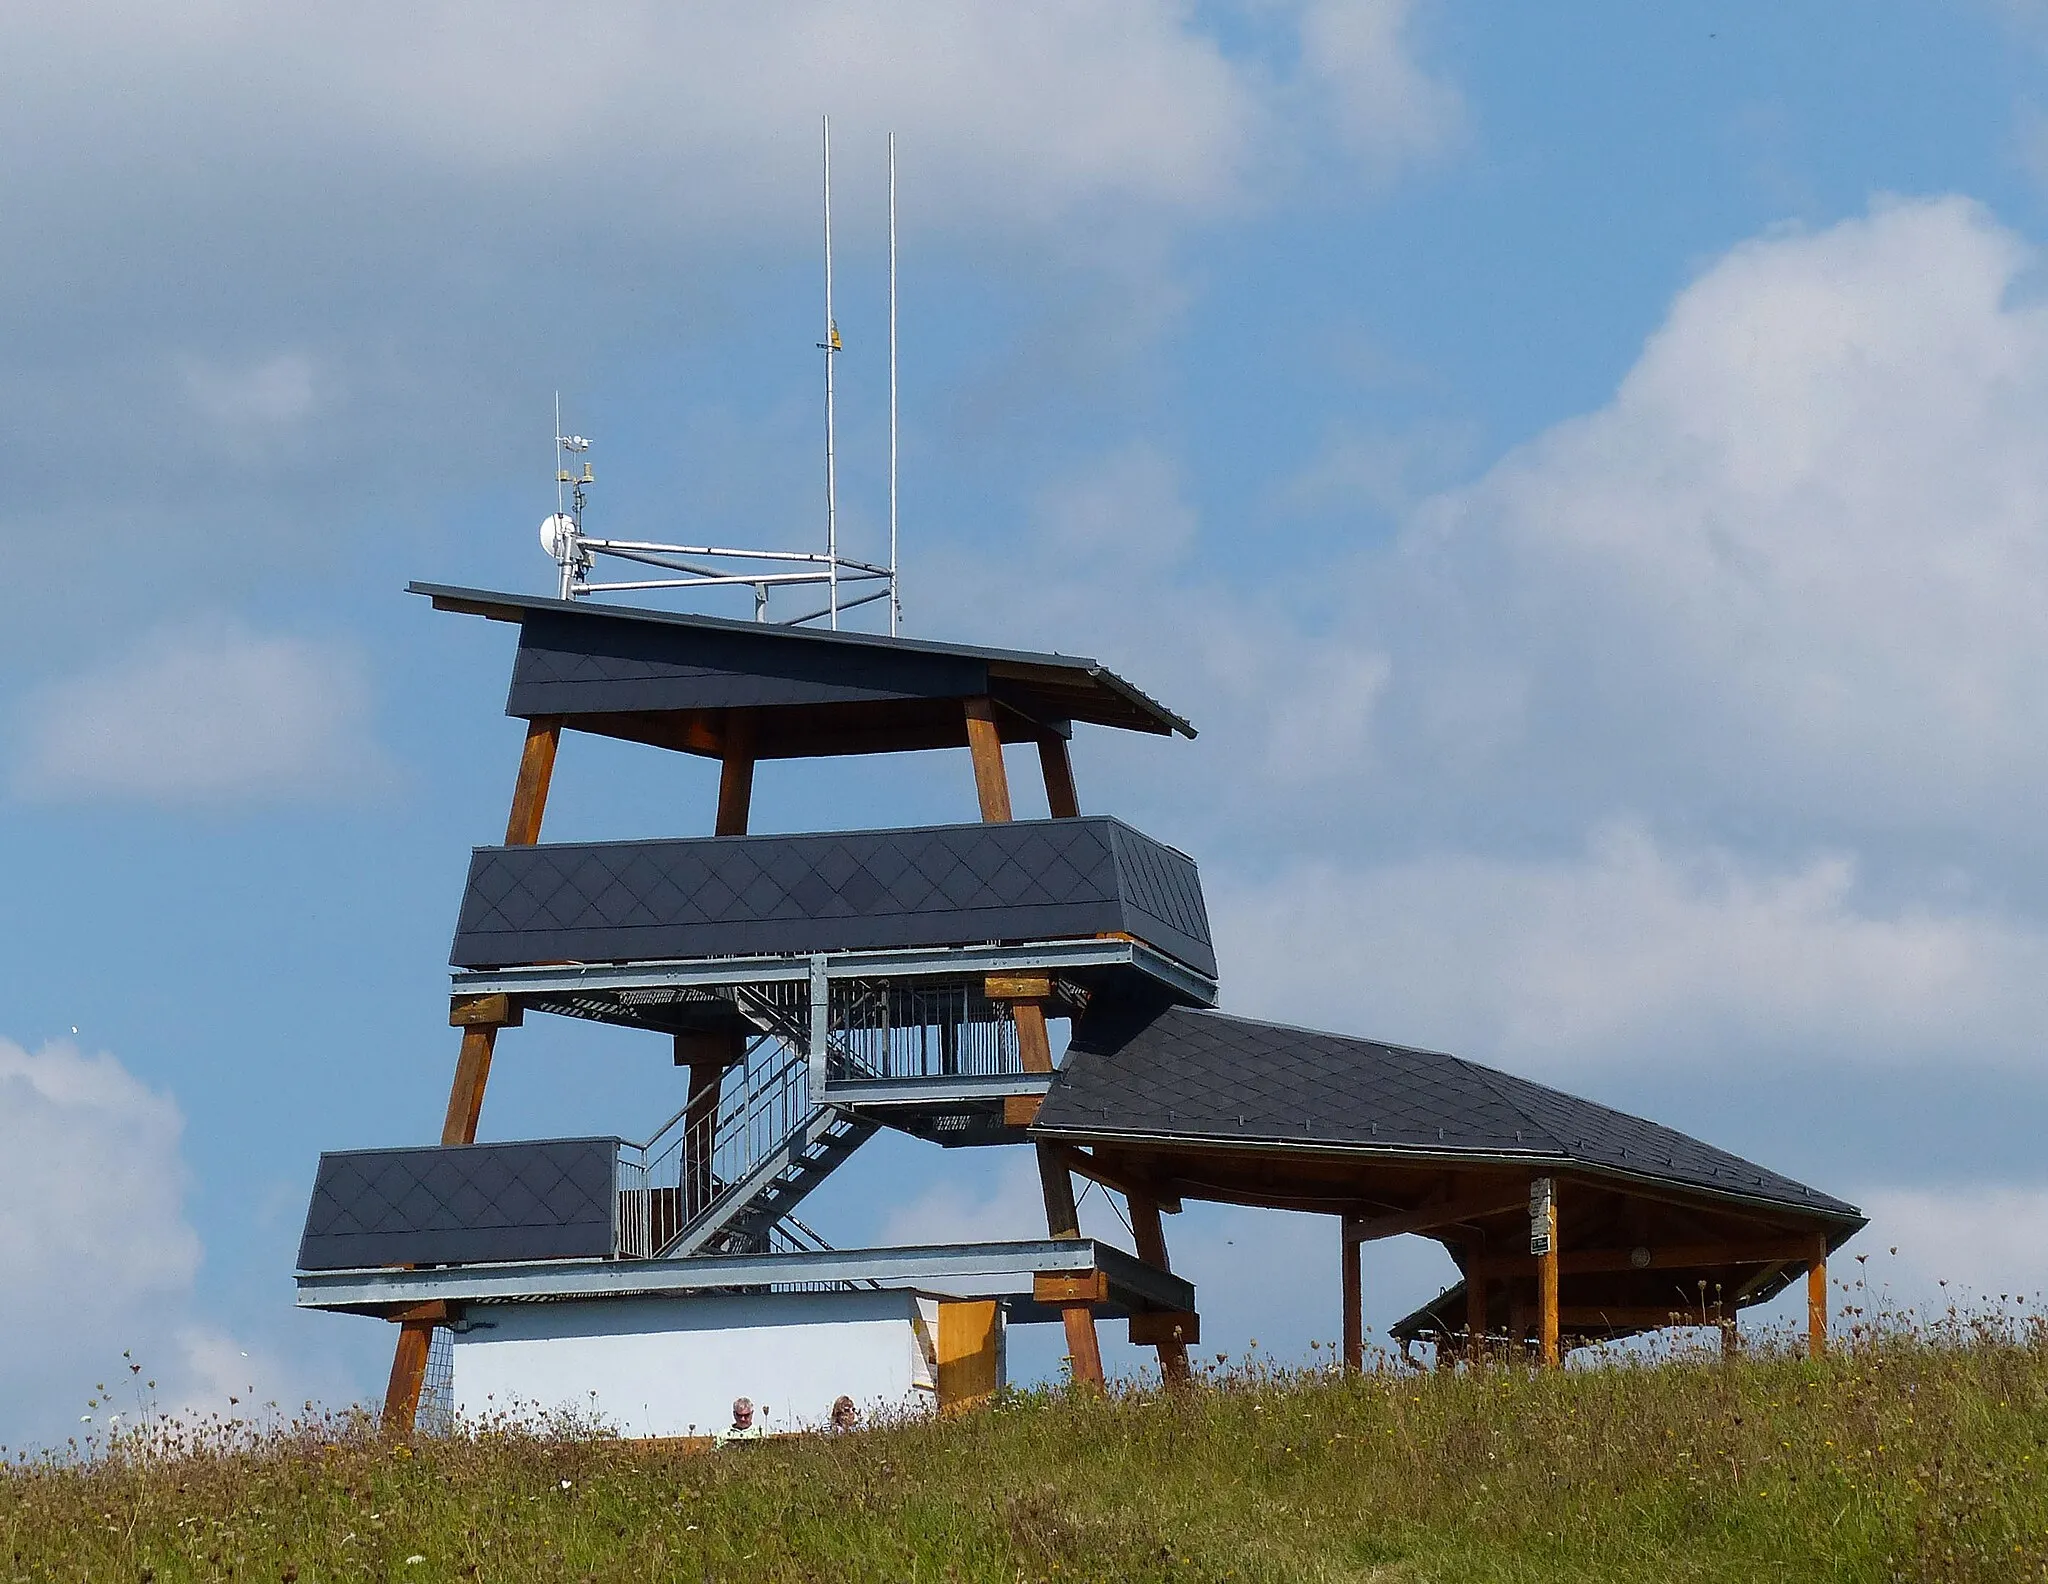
(1569, 1221)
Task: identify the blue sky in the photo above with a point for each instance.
(1580, 466)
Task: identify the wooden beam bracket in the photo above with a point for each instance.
(485, 1011)
(1057, 1289)
(1165, 1327)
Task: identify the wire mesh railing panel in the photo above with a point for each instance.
(882, 1029)
(435, 1415)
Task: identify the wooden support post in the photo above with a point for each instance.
(408, 1376)
(1354, 1298)
(1060, 797)
(1475, 1317)
(1817, 1301)
(473, 1063)
(1149, 1231)
(992, 788)
(707, 1055)
(736, 774)
(1546, 1281)
(985, 745)
(1063, 1220)
(536, 772)
(466, 1094)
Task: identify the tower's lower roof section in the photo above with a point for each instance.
(1194, 1081)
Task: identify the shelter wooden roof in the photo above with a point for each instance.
(1189, 1103)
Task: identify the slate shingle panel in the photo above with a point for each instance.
(1209, 1077)
(462, 1204)
(736, 895)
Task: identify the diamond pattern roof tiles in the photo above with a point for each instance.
(550, 1199)
(732, 895)
(1208, 1077)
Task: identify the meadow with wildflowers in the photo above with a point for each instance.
(1911, 1453)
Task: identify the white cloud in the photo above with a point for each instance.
(1010, 114)
(98, 1253)
(1388, 109)
(249, 403)
(1800, 560)
(205, 715)
(1634, 952)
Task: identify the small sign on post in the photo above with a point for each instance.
(1542, 1223)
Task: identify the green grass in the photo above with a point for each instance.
(1909, 1457)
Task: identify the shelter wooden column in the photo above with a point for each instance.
(1062, 1220)
(480, 1021)
(1475, 1314)
(1817, 1301)
(1149, 1231)
(1546, 1285)
(1354, 1295)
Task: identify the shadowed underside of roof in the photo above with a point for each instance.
(1203, 1080)
(676, 680)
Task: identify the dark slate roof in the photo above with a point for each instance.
(1207, 1078)
(936, 885)
(579, 657)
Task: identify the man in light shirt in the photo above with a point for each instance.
(742, 1427)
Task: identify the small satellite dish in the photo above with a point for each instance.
(556, 534)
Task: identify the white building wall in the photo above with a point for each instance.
(672, 1366)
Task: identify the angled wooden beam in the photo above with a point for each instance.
(536, 773)
(1126, 1183)
(466, 1093)
(473, 1062)
(985, 746)
(1427, 1218)
(1060, 797)
(735, 774)
(408, 1377)
(1149, 1232)
(707, 1055)
(1063, 1220)
(1354, 1298)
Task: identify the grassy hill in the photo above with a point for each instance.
(1909, 1457)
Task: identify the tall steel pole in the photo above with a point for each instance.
(895, 597)
(831, 346)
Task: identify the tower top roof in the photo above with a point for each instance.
(673, 679)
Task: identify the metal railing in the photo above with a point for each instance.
(882, 1029)
(875, 1029)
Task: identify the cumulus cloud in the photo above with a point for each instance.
(1016, 114)
(205, 715)
(1800, 561)
(1636, 952)
(98, 1253)
(1388, 108)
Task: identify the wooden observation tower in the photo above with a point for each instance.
(816, 988)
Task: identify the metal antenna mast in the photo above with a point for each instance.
(895, 594)
(830, 346)
(706, 566)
